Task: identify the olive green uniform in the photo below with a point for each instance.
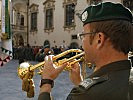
(111, 82)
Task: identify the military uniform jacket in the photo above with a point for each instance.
(111, 82)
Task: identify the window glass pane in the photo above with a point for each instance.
(74, 37)
(22, 20)
(49, 18)
(34, 21)
(70, 14)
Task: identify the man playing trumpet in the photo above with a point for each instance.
(107, 39)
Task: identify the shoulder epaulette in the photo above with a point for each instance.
(89, 82)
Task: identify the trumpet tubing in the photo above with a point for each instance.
(26, 67)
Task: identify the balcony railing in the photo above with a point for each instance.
(19, 28)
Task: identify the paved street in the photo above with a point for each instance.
(10, 84)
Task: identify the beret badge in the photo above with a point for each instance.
(84, 16)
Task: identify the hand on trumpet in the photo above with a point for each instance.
(74, 74)
(49, 70)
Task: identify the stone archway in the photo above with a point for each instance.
(15, 40)
(21, 40)
(74, 45)
(46, 42)
(18, 40)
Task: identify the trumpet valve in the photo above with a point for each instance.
(68, 67)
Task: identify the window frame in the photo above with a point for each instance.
(48, 17)
(69, 15)
(49, 4)
(33, 9)
(73, 25)
(34, 27)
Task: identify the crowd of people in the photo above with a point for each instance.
(37, 53)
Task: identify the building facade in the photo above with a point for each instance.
(19, 22)
(54, 22)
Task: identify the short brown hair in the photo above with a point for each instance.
(120, 33)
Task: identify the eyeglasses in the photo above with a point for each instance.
(81, 35)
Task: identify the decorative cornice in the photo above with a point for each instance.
(49, 4)
(69, 28)
(49, 30)
(32, 5)
(47, 1)
(34, 8)
(66, 2)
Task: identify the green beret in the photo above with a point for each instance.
(106, 11)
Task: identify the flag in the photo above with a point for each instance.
(6, 29)
(5, 34)
(5, 56)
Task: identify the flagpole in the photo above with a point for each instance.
(6, 36)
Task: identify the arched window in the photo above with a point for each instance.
(74, 45)
(46, 42)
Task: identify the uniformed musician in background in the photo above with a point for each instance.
(107, 39)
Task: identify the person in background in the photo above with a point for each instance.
(35, 51)
(43, 52)
(56, 50)
(106, 39)
(21, 53)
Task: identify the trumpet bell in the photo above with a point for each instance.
(23, 69)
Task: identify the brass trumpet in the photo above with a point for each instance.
(28, 69)
(25, 67)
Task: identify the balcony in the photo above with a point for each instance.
(19, 28)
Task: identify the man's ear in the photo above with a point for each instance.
(100, 40)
